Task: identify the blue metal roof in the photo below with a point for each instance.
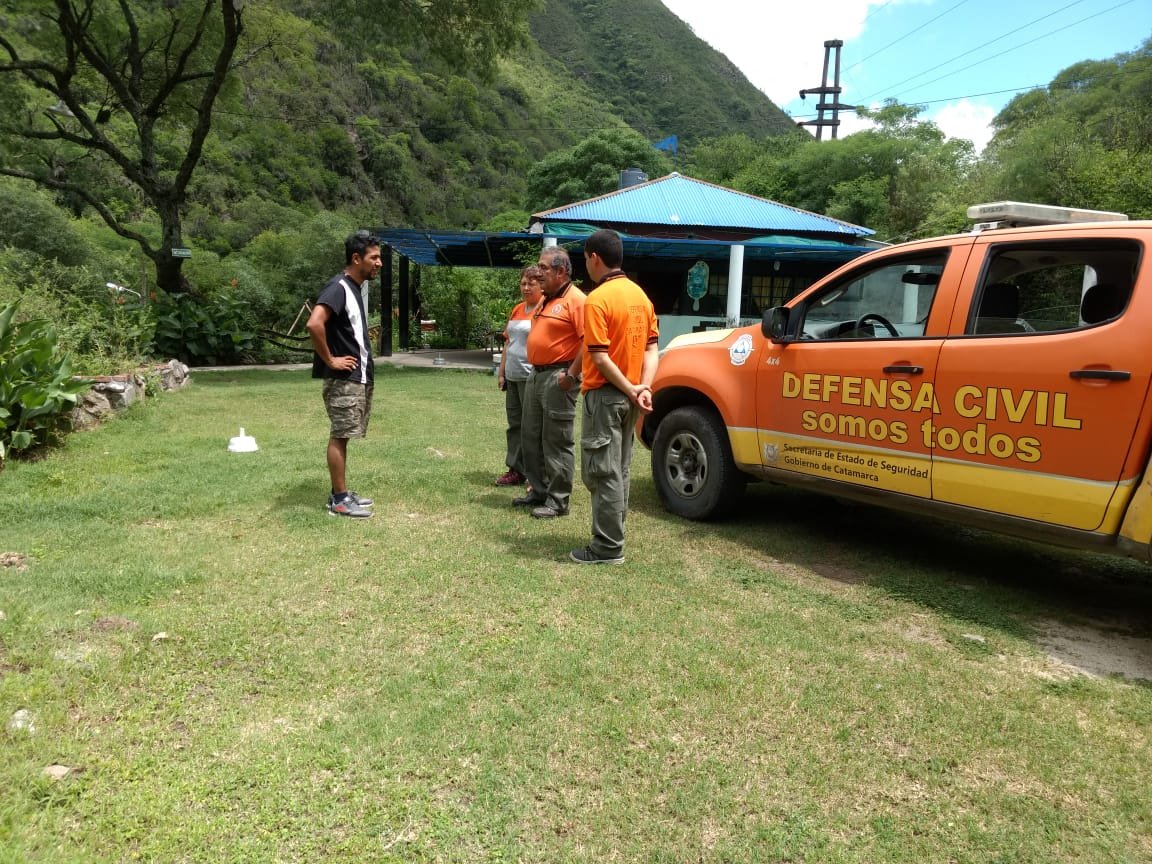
(685, 203)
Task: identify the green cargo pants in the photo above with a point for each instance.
(606, 436)
(548, 438)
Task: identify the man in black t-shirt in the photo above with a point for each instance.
(338, 326)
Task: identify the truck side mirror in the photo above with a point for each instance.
(774, 325)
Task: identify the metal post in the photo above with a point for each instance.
(385, 348)
(823, 90)
(835, 44)
(735, 283)
(403, 323)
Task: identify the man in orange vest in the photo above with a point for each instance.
(554, 348)
(619, 363)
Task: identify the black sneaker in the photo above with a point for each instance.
(528, 501)
(587, 556)
(348, 507)
(546, 512)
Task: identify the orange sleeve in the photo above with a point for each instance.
(578, 316)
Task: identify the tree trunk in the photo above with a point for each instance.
(169, 269)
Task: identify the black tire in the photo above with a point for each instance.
(692, 465)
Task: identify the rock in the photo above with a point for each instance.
(162, 636)
(14, 560)
(110, 394)
(22, 721)
(76, 655)
(973, 637)
(3, 616)
(173, 375)
(107, 395)
(59, 772)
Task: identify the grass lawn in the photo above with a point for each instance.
(235, 676)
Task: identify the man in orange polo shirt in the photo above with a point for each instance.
(555, 345)
(620, 359)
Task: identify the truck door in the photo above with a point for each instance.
(845, 399)
(1042, 394)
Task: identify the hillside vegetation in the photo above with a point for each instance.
(464, 123)
(650, 68)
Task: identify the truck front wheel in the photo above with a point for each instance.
(692, 465)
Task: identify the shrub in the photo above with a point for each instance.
(467, 304)
(101, 331)
(203, 332)
(36, 384)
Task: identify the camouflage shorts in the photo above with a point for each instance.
(349, 405)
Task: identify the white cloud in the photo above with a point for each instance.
(779, 47)
(966, 119)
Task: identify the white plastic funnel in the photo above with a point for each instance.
(242, 443)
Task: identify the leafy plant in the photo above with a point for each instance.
(203, 332)
(466, 304)
(36, 384)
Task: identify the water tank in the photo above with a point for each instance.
(632, 177)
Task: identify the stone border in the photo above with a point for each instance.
(111, 394)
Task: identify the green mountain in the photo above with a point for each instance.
(650, 69)
(405, 138)
(333, 116)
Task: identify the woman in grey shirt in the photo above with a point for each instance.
(514, 369)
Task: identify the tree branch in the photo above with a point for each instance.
(176, 75)
(233, 28)
(91, 200)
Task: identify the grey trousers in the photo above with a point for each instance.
(548, 438)
(606, 437)
(514, 410)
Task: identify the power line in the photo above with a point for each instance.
(972, 50)
(879, 8)
(1115, 74)
(909, 33)
(1025, 44)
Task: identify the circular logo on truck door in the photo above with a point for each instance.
(741, 350)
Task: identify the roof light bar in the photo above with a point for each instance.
(1018, 213)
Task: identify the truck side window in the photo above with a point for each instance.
(888, 301)
(1053, 287)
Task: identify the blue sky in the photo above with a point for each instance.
(963, 59)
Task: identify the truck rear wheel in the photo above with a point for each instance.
(693, 467)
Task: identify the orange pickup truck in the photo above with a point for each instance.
(998, 378)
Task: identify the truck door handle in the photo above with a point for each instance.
(903, 370)
(1101, 374)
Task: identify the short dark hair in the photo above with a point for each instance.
(557, 258)
(607, 244)
(358, 243)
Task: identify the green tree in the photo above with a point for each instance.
(887, 178)
(29, 220)
(721, 160)
(96, 93)
(111, 104)
(591, 168)
(1083, 141)
(467, 34)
